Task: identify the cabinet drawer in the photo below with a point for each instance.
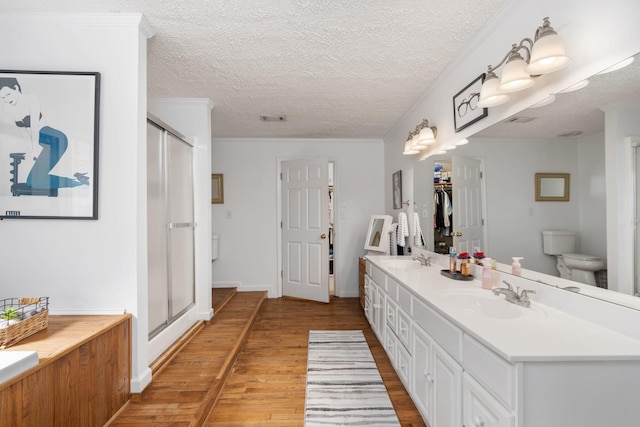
(391, 315)
(404, 299)
(480, 409)
(403, 366)
(403, 327)
(390, 344)
(492, 371)
(445, 333)
(377, 275)
(392, 288)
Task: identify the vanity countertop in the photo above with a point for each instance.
(539, 333)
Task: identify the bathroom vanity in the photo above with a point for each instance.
(469, 358)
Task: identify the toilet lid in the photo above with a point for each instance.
(581, 257)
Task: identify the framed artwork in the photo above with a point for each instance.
(552, 187)
(397, 189)
(217, 188)
(465, 105)
(49, 144)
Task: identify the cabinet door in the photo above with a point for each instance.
(422, 384)
(480, 409)
(447, 397)
(378, 302)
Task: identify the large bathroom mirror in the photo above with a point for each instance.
(564, 138)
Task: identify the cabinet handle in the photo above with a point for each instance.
(478, 421)
(429, 378)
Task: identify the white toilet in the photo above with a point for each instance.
(572, 266)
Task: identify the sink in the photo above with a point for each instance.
(485, 304)
(405, 263)
(13, 363)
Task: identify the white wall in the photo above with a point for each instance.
(88, 266)
(249, 238)
(596, 34)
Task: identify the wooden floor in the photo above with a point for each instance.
(267, 384)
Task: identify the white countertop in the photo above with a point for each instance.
(540, 333)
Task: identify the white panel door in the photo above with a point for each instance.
(305, 229)
(467, 204)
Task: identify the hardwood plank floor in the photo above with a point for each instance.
(267, 386)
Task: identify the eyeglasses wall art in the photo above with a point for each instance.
(465, 105)
(49, 144)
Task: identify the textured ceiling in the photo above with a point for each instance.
(336, 69)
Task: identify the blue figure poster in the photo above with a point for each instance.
(49, 144)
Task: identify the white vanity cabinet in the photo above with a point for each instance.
(544, 369)
(437, 381)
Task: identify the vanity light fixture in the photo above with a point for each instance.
(427, 134)
(421, 138)
(544, 54)
(408, 146)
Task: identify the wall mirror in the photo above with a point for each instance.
(552, 187)
(567, 135)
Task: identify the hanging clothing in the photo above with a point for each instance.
(443, 210)
(403, 229)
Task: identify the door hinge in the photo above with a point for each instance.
(482, 222)
(281, 274)
(281, 224)
(480, 175)
(280, 176)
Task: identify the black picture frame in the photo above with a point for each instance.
(396, 185)
(465, 109)
(53, 173)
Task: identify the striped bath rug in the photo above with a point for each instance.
(344, 387)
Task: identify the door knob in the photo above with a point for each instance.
(456, 234)
(323, 236)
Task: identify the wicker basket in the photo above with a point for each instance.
(32, 315)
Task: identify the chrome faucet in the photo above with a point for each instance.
(426, 261)
(514, 297)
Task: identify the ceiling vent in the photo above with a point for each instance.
(519, 119)
(281, 118)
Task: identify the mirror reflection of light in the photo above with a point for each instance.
(617, 66)
(451, 147)
(440, 152)
(462, 142)
(548, 100)
(576, 86)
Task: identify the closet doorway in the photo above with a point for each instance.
(458, 205)
(306, 229)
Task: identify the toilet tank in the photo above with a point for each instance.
(558, 242)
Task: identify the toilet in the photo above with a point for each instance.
(572, 266)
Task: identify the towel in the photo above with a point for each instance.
(393, 242)
(403, 229)
(418, 239)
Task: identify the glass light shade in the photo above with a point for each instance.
(415, 142)
(548, 55)
(408, 150)
(426, 136)
(514, 77)
(490, 94)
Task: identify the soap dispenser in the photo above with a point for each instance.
(516, 268)
(487, 274)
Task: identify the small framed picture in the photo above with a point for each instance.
(465, 105)
(217, 188)
(49, 151)
(397, 190)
